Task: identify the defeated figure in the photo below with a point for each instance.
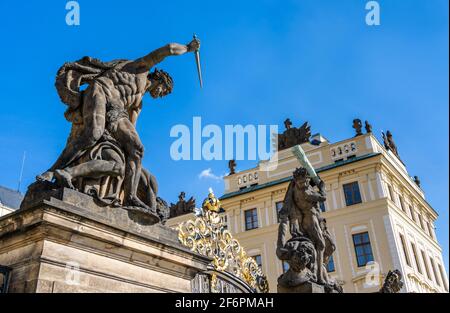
(311, 245)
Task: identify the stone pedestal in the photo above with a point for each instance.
(308, 287)
(69, 244)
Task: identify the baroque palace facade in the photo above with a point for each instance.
(375, 211)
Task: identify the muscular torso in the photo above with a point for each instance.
(307, 202)
(125, 85)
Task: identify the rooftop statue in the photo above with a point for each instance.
(417, 181)
(389, 143)
(103, 154)
(368, 127)
(293, 136)
(182, 206)
(357, 126)
(232, 167)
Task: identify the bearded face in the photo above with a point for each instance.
(160, 84)
(158, 90)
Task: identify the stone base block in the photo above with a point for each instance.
(69, 244)
(308, 287)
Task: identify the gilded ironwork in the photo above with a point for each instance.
(207, 235)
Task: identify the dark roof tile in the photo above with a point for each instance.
(10, 198)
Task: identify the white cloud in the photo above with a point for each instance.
(209, 174)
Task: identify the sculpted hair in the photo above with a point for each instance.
(300, 173)
(164, 78)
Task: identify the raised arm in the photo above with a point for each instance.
(159, 54)
(315, 196)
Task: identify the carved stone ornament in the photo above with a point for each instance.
(311, 245)
(357, 126)
(232, 167)
(182, 206)
(293, 136)
(392, 283)
(103, 154)
(368, 127)
(389, 143)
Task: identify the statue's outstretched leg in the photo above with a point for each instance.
(63, 178)
(92, 169)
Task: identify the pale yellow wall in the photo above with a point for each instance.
(381, 217)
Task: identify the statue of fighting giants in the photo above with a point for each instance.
(310, 247)
(103, 154)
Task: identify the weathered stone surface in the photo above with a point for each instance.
(293, 136)
(311, 245)
(308, 287)
(182, 206)
(103, 154)
(69, 244)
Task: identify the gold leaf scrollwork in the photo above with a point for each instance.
(208, 236)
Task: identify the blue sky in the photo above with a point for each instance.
(262, 61)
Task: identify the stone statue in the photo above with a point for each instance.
(103, 154)
(368, 127)
(232, 167)
(311, 245)
(357, 125)
(417, 181)
(182, 206)
(392, 283)
(293, 136)
(389, 143)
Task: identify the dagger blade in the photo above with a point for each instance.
(199, 68)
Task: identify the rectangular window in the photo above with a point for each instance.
(285, 266)
(425, 264)
(421, 220)
(258, 260)
(416, 258)
(322, 207)
(436, 277)
(278, 207)
(444, 281)
(352, 194)
(405, 250)
(413, 216)
(426, 227)
(330, 265)
(251, 219)
(430, 229)
(402, 204)
(363, 249)
(391, 193)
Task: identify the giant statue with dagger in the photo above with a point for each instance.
(103, 154)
